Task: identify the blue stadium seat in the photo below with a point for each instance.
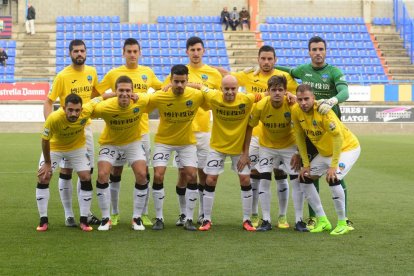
(153, 35)
(172, 36)
(97, 36)
(60, 61)
(165, 52)
(115, 19)
(171, 19)
(171, 28)
(153, 27)
(163, 35)
(162, 27)
(60, 36)
(125, 35)
(107, 43)
(154, 44)
(60, 28)
(60, 19)
(107, 52)
(117, 44)
(173, 44)
(155, 52)
(144, 35)
(97, 43)
(143, 28)
(88, 44)
(98, 52)
(188, 19)
(145, 44)
(180, 20)
(96, 19)
(69, 19)
(79, 35)
(180, 27)
(161, 19)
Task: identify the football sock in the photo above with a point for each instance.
(42, 198)
(200, 195)
(158, 196)
(103, 195)
(65, 192)
(247, 200)
(140, 196)
(145, 210)
(181, 198)
(338, 197)
(191, 195)
(313, 198)
(283, 195)
(254, 182)
(298, 198)
(343, 184)
(316, 184)
(265, 195)
(114, 187)
(85, 196)
(208, 201)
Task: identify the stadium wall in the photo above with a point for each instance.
(147, 11)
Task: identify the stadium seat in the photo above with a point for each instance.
(115, 19)
(161, 19)
(116, 27)
(188, 19)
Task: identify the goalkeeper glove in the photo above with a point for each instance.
(326, 104)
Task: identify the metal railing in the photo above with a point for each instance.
(405, 26)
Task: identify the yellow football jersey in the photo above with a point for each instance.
(122, 125)
(176, 115)
(70, 81)
(143, 78)
(321, 131)
(276, 131)
(229, 121)
(258, 84)
(64, 135)
(209, 77)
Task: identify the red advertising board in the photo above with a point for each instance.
(24, 91)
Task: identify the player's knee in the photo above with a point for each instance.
(211, 180)
(307, 180)
(65, 176)
(117, 170)
(103, 176)
(101, 185)
(141, 177)
(66, 171)
(293, 176)
(244, 180)
(157, 186)
(180, 191)
(266, 176)
(86, 185)
(114, 178)
(280, 174)
(335, 182)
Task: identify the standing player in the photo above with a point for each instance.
(330, 88)
(338, 150)
(79, 79)
(64, 137)
(177, 108)
(256, 82)
(121, 137)
(277, 144)
(230, 117)
(143, 79)
(203, 74)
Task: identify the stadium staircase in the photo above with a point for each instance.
(241, 49)
(392, 50)
(35, 55)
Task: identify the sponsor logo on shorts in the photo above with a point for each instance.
(341, 166)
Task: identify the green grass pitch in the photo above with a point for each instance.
(381, 206)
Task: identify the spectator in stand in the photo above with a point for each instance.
(225, 17)
(234, 19)
(3, 57)
(245, 19)
(30, 18)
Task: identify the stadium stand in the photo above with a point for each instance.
(7, 72)
(348, 42)
(162, 44)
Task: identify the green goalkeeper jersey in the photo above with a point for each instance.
(326, 82)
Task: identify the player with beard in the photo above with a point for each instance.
(256, 82)
(79, 79)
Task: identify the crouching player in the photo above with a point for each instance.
(338, 151)
(277, 144)
(64, 137)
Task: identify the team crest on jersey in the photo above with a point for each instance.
(189, 103)
(136, 110)
(242, 106)
(314, 123)
(144, 78)
(46, 132)
(332, 126)
(204, 77)
(287, 115)
(82, 122)
(325, 77)
(89, 78)
(341, 166)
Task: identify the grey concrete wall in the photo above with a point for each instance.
(48, 10)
